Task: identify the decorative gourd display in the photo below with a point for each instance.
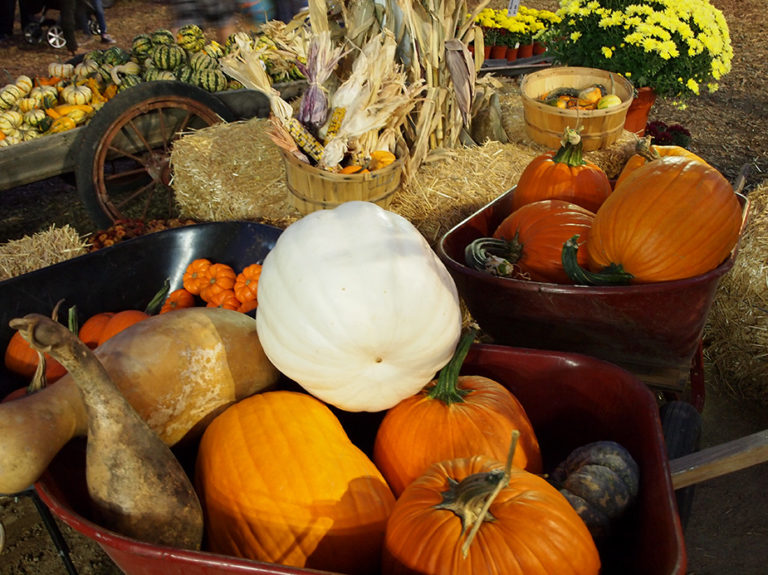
(600, 480)
(141, 46)
(191, 37)
(476, 515)
(178, 370)
(528, 243)
(563, 175)
(135, 483)
(211, 80)
(168, 56)
(673, 218)
(202, 61)
(24, 83)
(59, 70)
(280, 481)
(162, 36)
(355, 306)
(76, 94)
(453, 417)
(647, 152)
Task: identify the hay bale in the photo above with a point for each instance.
(39, 250)
(736, 334)
(235, 172)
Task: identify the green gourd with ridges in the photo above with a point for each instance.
(185, 74)
(115, 56)
(211, 80)
(169, 56)
(214, 50)
(162, 36)
(129, 81)
(191, 37)
(141, 46)
(202, 61)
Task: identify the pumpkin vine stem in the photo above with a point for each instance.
(570, 152)
(496, 256)
(157, 300)
(613, 274)
(471, 498)
(447, 387)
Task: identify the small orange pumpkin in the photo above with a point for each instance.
(91, 330)
(120, 321)
(247, 282)
(224, 298)
(22, 360)
(453, 416)
(195, 275)
(563, 175)
(220, 277)
(178, 299)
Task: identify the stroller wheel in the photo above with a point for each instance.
(33, 33)
(55, 36)
(93, 26)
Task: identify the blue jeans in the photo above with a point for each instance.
(83, 15)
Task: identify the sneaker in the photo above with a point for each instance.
(107, 39)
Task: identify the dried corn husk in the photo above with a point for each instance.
(322, 59)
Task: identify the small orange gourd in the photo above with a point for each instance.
(226, 299)
(91, 330)
(454, 416)
(247, 282)
(563, 175)
(119, 321)
(219, 277)
(281, 482)
(22, 360)
(195, 275)
(177, 299)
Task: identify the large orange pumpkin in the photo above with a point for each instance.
(532, 529)
(673, 218)
(534, 235)
(454, 416)
(563, 175)
(281, 482)
(22, 360)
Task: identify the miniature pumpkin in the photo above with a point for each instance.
(528, 243)
(195, 275)
(563, 175)
(301, 495)
(247, 282)
(120, 321)
(673, 218)
(600, 480)
(224, 298)
(91, 330)
(219, 278)
(452, 417)
(355, 306)
(438, 524)
(177, 299)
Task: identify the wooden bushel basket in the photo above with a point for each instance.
(315, 189)
(545, 124)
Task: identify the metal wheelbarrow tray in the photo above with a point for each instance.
(652, 330)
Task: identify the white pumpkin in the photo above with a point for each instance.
(355, 307)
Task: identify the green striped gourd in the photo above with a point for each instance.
(191, 37)
(115, 56)
(211, 80)
(129, 81)
(214, 49)
(202, 61)
(10, 120)
(9, 95)
(24, 83)
(96, 56)
(168, 56)
(162, 36)
(26, 104)
(37, 118)
(185, 74)
(141, 46)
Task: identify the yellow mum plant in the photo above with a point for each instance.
(676, 47)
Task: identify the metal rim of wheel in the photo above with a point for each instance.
(55, 36)
(151, 160)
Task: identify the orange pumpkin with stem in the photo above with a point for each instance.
(225, 299)
(195, 276)
(477, 515)
(454, 416)
(647, 152)
(91, 330)
(673, 218)
(178, 299)
(563, 175)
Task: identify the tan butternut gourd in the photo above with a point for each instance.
(178, 371)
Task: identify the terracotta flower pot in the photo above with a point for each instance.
(637, 113)
(511, 54)
(487, 52)
(498, 52)
(539, 48)
(525, 51)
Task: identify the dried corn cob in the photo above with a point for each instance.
(337, 117)
(304, 139)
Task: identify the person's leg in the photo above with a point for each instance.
(67, 8)
(7, 18)
(98, 8)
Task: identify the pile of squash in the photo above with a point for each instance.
(455, 464)
(71, 93)
(669, 216)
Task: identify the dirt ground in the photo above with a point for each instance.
(728, 527)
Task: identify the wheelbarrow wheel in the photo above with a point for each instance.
(123, 155)
(55, 36)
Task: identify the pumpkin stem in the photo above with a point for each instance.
(447, 387)
(570, 152)
(158, 299)
(471, 498)
(613, 274)
(646, 150)
(494, 255)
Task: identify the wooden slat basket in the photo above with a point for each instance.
(315, 189)
(545, 124)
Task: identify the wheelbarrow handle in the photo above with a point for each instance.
(719, 460)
